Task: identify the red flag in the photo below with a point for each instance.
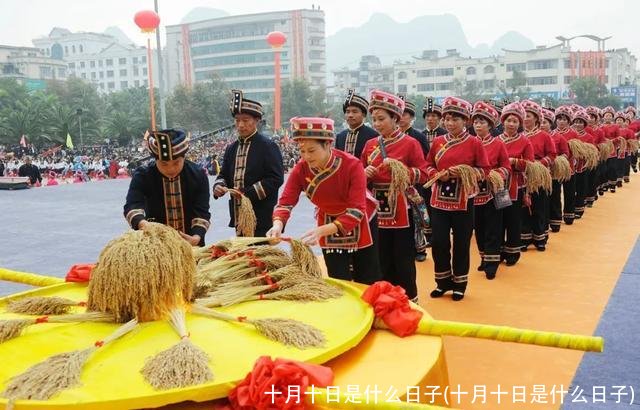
(23, 141)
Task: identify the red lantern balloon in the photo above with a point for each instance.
(147, 20)
(276, 39)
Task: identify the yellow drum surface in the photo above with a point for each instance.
(112, 378)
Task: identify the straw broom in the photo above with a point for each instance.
(467, 174)
(308, 291)
(12, 328)
(62, 371)
(561, 169)
(633, 146)
(592, 156)
(622, 143)
(538, 176)
(182, 365)
(505, 334)
(142, 274)
(286, 331)
(399, 179)
(42, 305)
(246, 218)
(495, 181)
(605, 149)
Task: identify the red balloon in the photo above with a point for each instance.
(147, 20)
(276, 39)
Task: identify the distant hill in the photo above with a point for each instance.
(389, 40)
(203, 13)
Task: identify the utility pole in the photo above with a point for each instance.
(163, 114)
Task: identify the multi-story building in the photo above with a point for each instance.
(235, 49)
(543, 72)
(30, 66)
(369, 75)
(103, 59)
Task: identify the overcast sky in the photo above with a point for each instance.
(483, 22)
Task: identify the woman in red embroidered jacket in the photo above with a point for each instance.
(611, 133)
(554, 215)
(580, 121)
(624, 155)
(396, 235)
(561, 136)
(488, 219)
(335, 183)
(520, 151)
(596, 176)
(534, 217)
(452, 206)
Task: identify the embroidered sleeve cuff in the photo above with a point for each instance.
(202, 223)
(431, 172)
(134, 217)
(282, 213)
(415, 175)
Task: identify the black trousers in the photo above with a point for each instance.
(569, 199)
(489, 231)
(602, 181)
(620, 169)
(581, 192)
(634, 161)
(555, 205)
(592, 185)
(427, 201)
(397, 257)
(627, 168)
(512, 221)
(452, 265)
(534, 220)
(612, 173)
(365, 261)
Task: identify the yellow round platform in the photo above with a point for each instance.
(112, 379)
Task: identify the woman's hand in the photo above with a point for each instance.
(276, 229)
(445, 176)
(312, 236)
(370, 171)
(193, 240)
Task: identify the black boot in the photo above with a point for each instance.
(457, 295)
(512, 259)
(555, 228)
(421, 256)
(490, 270)
(482, 266)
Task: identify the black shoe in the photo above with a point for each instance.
(524, 248)
(438, 293)
(555, 228)
(541, 247)
(490, 270)
(619, 184)
(601, 192)
(421, 257)
(612, 190)
(482, 266)
(578, 216)
(626, 180)
(568, 221)
(512, 259)
(635, 170)
(589, 204)
(457, 296)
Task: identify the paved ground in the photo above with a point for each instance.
(46, 230)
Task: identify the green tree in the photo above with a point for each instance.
(11, 92)
(203, 107)
(587, 91)
(515, 86)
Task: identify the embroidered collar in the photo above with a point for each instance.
(326, 166)
(534, 131)
(395, 135)
(246, 139)
(356, 128)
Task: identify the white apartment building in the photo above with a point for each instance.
(547, 71)
(235, 48)
(105, 60)
(30, 66)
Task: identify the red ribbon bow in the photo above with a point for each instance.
(391, 304)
